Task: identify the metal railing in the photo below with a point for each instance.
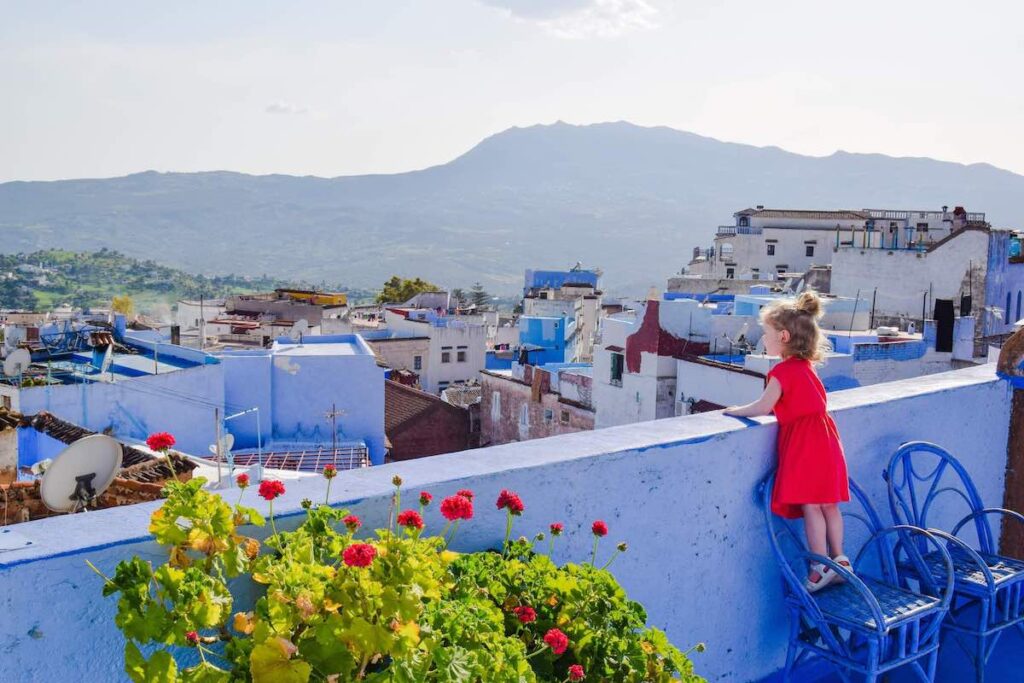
(728, 230)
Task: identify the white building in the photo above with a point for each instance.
(190, 314)
(457, 350)
(766, 243)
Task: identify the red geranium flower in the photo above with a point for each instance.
(160, 441)
(330, 471)
(576, 673)
(271, 489)
(425, 498)
(556, 640)
(352, 523)
(599, 528)
(557, 528)
(359, 555)
(465, 493)
(192, 637)
(410, 519)
(457, 507)
(242, 481)
(511, 501)
(525, 614)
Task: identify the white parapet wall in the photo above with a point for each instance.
(681, 491)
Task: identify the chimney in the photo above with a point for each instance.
(760, 207)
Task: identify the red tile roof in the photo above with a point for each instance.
(405, 406)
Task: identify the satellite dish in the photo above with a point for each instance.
(80, 473)
(227, 441)
(298, 329)
(17, 362)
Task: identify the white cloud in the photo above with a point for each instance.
(576, 19)
(281, 107)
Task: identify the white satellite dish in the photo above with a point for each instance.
(298, 329)
(17, 362)
(80, 473)
(227, 441)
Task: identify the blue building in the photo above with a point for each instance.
(323, 392)
(556, 279)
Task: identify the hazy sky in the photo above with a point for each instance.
(91, 89)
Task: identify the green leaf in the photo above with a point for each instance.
(205, 672)
(160, 668)
(269, 664)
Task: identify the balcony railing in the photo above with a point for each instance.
(729, 230)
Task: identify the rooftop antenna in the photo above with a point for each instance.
(17, 363)
(80, 473)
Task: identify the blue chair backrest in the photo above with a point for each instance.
(920, 474)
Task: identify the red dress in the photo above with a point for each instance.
(812, 467)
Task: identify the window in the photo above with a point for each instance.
(417, 362)
(726, 249)
(1006, 315)
(771, 250)
(7, 402)
(616, 376)
(524, 415)
(549, 416)
(1018, 304)
(446, 356)
(565, 417)
(744, 221)
(461, 356)
(495, 407)
(809, 250)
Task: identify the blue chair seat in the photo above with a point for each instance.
(844, 603)
(968, 574)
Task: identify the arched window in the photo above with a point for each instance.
(744, 221)
(1006, 315)
(727, 249)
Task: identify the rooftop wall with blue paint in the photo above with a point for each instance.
(897, 351)
(556, 279)
(712, 298)
(680, 491)
(181, 402)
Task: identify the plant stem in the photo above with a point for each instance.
(273, 527)
(593, 556)
(455, 527)
(102, 575)
(508, 532)
(551, 545)
(327, 498)
(605, 566)
(534, 654)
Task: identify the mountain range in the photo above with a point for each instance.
(629, 199)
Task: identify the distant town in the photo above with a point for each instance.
(255, 374)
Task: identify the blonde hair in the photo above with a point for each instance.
(800, 318)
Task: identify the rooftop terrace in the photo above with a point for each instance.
(681, 491)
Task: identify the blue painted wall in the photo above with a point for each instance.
(1004, 281)
(547, 333)
(555, 279)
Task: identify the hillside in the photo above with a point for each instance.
(631, 200)
(46, 279)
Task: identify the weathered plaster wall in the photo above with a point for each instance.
(680, 491)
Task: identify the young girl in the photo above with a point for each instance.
(811, 477)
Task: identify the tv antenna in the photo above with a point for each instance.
(333, 414)
(80, 473)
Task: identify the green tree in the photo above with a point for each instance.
(15, 295)
(123, 304)
(478, 296)
(399, 290)
(458, 297)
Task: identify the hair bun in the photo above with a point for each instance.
(810, 303)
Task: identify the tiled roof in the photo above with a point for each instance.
(703, 406)
(404, 405)
(806, 214)
(68, 433)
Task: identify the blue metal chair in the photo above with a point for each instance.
(989, 588)
(875, 621)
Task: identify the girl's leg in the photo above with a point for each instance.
(833, 528)
(815, 528)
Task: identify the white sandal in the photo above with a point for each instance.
(844, 562)
(825, 576)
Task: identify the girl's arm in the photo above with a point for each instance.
(763, 405)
